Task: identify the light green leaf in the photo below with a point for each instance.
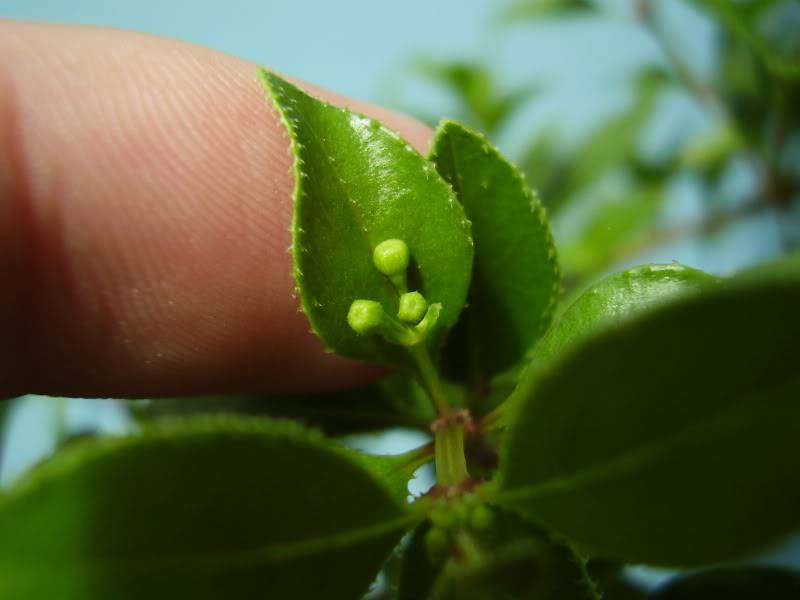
(618, 297)
(356, 185)
(523, 10)
(671, 438)
(733, 583)
(516, 280)
(615, 230)
(481, 101)
(208, 508)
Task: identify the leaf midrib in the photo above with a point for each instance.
(234, 559)
(358, 217)
(641, 457)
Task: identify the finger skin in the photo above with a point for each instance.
(145, 203)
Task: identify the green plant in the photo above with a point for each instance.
(614, 194)
(654, 420)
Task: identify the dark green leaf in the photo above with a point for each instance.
(418, 573)
(671, 438)
(515, 281)
(732, 583)
(742, 22)
(209, 508)
(394, 401)
(519, 562)
(358, 184)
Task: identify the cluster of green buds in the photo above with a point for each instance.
(449, 518)
(414, 319)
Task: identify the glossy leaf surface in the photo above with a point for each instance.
(672, 438)
(618, 297)
(356, 185)
(516, 281)
(212, 508)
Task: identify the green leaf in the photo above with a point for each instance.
(618, 297)
(519, 562)
(476, 90)
(208, 508)
(671, 438)
(523, 10)
(615, 230)
(611, 145)
(394, 471)
(358, 184)
(733, 583)
(516, 280)
(418, 573)
(394, 401)
(742, 22)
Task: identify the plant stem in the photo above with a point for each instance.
(429, 378)
(451, 464)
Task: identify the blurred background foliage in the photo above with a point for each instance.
(609, 192)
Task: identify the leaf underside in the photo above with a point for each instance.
(672, 438)
(208, 508)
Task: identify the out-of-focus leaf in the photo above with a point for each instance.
(516, 279)
(733, 583)
(418, 574)
(358, 184)
(395, 401)
(526, 10)
(743, 19)
(481, 101)
(614, 228)
(711, 154)
(394, 471)
(671, 438)
(519, 562)
(205, 509)
(608, 147)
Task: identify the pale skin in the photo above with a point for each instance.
(145, 204)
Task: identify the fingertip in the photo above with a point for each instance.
(158, 187)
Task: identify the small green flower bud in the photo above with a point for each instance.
(412, 307)
(481, 518)
(437, 544)
(391, 257)
(365, 316)
(443, 517)
(461, 512)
